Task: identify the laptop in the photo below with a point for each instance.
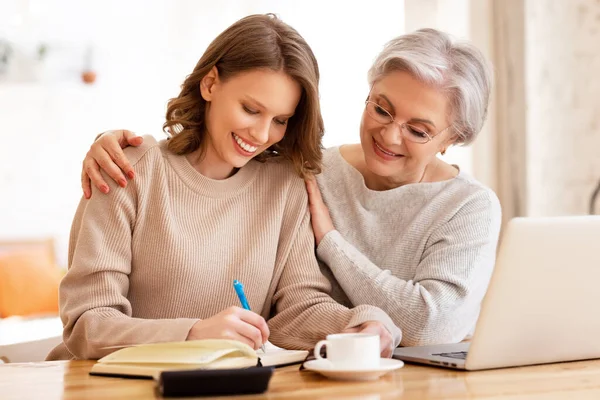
(542, 302)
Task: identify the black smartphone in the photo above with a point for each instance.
(214, 382)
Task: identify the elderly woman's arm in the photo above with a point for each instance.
(442, 303)
(302, 310)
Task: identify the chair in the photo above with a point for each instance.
(30, 338)
(44, 245)
(34, 351)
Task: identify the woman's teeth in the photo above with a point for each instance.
(384, 151)
(244, 145)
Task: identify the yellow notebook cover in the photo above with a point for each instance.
(149, 360)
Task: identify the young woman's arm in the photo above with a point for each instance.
(94, 307)
(303, 310)
(94, 304)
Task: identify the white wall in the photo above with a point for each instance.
(142, 51)
(563, 120)
(47, 126)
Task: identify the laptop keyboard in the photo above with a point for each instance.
(460, 355)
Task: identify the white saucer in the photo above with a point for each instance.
(329, 370)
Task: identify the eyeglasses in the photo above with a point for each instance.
(409, 132)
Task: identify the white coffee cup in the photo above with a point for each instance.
(350, 350)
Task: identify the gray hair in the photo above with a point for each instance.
(456, 67)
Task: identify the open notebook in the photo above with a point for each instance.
(149, 360)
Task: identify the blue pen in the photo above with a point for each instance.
(239, 289)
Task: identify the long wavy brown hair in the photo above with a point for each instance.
(256, 41)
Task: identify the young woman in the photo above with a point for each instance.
(220, 200)
(397, 227)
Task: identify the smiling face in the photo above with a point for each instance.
(246, 114)
(388, 154)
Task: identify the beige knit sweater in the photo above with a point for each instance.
(148, 261)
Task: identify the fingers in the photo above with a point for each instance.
(386, 341)
(234, 335)
(251, 333)
(92, 171)
(309, 182)
(108, 153)
(368, 327)
(257, 321)
(311, 189)
(311, 198)
(247, 324)
(121, 136)
(386, 347)
(85, 184)
(131, 139)
(315, 200)
(107, 164)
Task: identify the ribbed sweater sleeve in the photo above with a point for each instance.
(449, 283)
(304, 310)
(94, 307)
(423, 253)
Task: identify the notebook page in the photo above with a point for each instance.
(274, 356)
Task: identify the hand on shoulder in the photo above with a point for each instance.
(106, 153)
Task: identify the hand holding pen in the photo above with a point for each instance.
(239, 290)
(233, 323)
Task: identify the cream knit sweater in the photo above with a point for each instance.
(148, 261)
(423, 252)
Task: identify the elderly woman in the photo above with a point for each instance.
(395, 226)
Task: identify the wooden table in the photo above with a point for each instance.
(573, 381)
